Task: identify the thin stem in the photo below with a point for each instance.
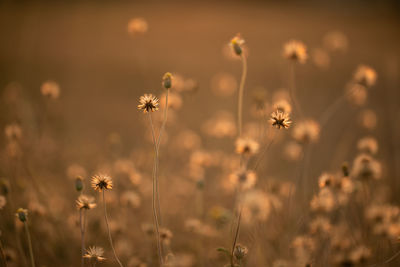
(82, 224)
(241, 91)
(109, 232)
(157, 155)
(292, 81)
(236, 236)
(3, 255)
(155, 217)
(29, 244)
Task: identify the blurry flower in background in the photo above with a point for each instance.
(296, 51)
(222, 124)
(50, 89)
(368, 145)
(223, 84)
(148, 103)
(3, 202)
(137, 26)
(306, 131)
(75, 170)
(13, 131)
(85, 202)
(22, 214)
(365, 75)
(356, 94)
(101, 182)
(366, 168)
(293, 151)
(368, 119)
(243, 179)
(335, 41)
(246, 146)
(321, 58)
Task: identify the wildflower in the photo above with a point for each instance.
(306, 131)
(224, 84)
(50, 89)
(137, 25)
(256, 206)
(360, 254)
(221, 125)
(95, 253)
(240, 252)
(243, 179)
(246, 146)
(85, 202)
(293, 151)
(148, 103)
(167, 80)
(368, 119)
(101, 182)
(295, 51)
(280, 119)
(237, 43)
(22, 214)
(321, 58)
(368, 145)
(326, 180)
(365, 75)
(365, 168)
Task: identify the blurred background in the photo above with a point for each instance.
(103, 55)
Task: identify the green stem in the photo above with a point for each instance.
(241, 91)
(109, 232)
(29, 244)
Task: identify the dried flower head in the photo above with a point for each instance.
(148, 103)
(240, 252)
(50, 89)
(280, 119)
(22, 214)
(295, 51)
(306, 131)
(85, 202)
(167, 80)
(246, 146)
(244, 179)
(236, 44)
(95, 253)
(101, 182)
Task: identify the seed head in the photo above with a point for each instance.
(167, 80)
(22, 214)
(148, 103)
(280, 119)
(236, 44)
(101, 182)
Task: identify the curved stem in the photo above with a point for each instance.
(241, 91)
(154, 198)
(236, 235)
(29, 244)
(109, 232)
(82, 224)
